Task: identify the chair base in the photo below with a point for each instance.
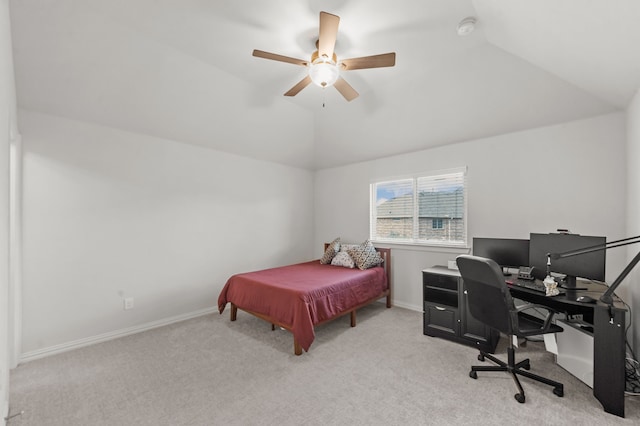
(514, 369)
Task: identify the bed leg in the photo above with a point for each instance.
(388, 300)
(273, 327)
(234, 312)
(353, 318)
(297, 349)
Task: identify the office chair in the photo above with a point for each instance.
(490, 302)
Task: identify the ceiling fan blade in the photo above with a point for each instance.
(298, 87)
(274, 57)
(327, 34)
(345, 89)
(375, 61)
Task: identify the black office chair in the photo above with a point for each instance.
(490, 302)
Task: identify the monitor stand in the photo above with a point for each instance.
(569, 283)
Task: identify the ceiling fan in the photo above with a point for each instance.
(324, 67)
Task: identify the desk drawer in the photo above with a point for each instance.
(440, 320)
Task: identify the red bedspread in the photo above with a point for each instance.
(303, 294)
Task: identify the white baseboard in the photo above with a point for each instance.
(76, 344)
(407, 306)
(64, 347)
(4, 413)
(402, 305)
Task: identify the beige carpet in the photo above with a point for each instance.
(210, 371)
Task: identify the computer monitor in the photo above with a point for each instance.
(506, 252)
(590, 265)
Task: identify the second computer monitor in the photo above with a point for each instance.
(506, 252)
(589, 265)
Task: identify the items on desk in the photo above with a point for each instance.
(551, 286)
(534, 285)
(526, 273)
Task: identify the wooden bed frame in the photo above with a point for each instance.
(385, 253)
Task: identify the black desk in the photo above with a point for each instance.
(608, 337)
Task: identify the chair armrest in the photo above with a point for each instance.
(548, 317)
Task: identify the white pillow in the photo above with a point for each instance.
(347, 247)
(343, 259)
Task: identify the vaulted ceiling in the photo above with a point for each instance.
(183, 70)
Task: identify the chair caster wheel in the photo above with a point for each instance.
(558, 391)
(481, 357)
(527, 366)
(519, 397)
(473, 374)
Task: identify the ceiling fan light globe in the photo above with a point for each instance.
(323, 73)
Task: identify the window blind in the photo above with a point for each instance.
(426, 209)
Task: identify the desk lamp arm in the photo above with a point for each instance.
(591, 249)
(607, 297)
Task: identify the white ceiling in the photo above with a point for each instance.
(183, 70)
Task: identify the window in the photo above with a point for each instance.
(426, 209)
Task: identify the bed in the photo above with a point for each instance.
(301, 296)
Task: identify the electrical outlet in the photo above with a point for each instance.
(128, 303)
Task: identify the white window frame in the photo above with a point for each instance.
(456, 173)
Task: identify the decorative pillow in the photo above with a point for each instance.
(330, 252)
(343, 259)
(347, 247)
(365, 255)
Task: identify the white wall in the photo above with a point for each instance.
(633, 208)
(109, 214)
(566, 176)
(7, 129)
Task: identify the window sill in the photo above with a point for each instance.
(440, 248)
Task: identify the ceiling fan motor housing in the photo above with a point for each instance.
(323, 71)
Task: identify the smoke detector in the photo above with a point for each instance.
(466, 26)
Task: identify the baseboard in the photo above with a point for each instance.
(76, 344)
(4, 406)
(64, 347)
(401, 305)
(407, 306)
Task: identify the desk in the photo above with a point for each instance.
(565, 302)
(608, 338)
